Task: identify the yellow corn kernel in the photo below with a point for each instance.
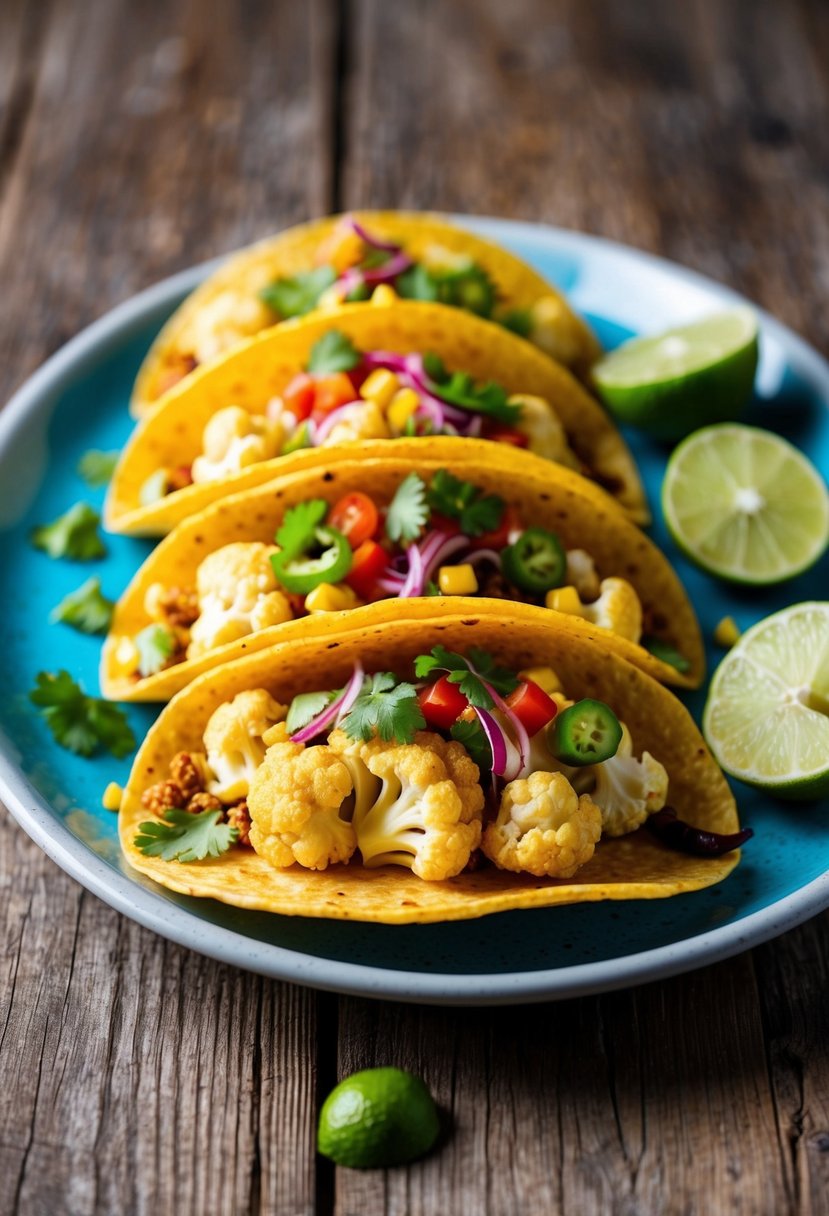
(331, 597)
(457, 580)
(726, 632)
(564, 599)
(379, 387)
(126, 656)
(111, 800)
(384, 294)
(544, 677)
(403, 405)
(562, 702)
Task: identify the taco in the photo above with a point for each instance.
(421, 771)
(347, 258)
(403, 379)
(322, 549)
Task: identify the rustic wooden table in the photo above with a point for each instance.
(136, 139)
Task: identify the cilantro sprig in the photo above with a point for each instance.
(408, 511)
(458, 388)
(73, 534)
(384, 707)
(78, 722)
(475, 511)
(156, 646)
(96, 467)
(298, 294)
(467, 286)
(471, 675)
(299, 525)
(86, 609)
(333, 352)
(182, 836)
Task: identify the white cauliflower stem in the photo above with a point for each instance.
(234, 439)
(543, 827)
(618, 609)
(627, 790)
(233, 741)
(237, 594)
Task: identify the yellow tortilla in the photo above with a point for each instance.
(259, 369)
(632, 867)
(578, 512)
(226, 308)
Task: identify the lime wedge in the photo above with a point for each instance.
(684, 378)
(745, 505)
(767, 715)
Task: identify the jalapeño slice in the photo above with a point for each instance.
(586, 733)
(300, 573)
(536, 562)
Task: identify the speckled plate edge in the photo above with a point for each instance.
(155, 912)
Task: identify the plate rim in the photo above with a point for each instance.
(178, 924)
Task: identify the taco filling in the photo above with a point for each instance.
(467, 765)
(442, 537)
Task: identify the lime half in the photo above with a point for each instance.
(376, 1118)
(745, 505)
(767, 715)
(684, 378)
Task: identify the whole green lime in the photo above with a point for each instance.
(376, 1118)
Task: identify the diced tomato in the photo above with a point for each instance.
(299, 396)
(498, 538)
(441, 703)
(507, 434)
(355, 515)
(531, 706)
(330, 392)
(442, 523)
(370, 560)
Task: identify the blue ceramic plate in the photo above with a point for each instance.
(78, 400)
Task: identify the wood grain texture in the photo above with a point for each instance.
(137, 139)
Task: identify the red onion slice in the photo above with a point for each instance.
(349, 221)
(338, 708)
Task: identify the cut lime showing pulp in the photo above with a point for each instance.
(745, 505)
(767, 715)
(689, 377)
(377, 1118)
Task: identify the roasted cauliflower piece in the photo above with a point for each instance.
(543, 827)
(581, 574)
(224, 321)
(540, 423)
(627, 790)
(362, 420)
(237, 595)
(234, 439)
(618, 609)
(233, 741)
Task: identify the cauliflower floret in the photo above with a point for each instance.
(223, 322)
(299, 804)
(627, 790)
(543, 827)
(555, 330)
(427, 815)
(617, 609)
(233, 741)
(234, 439)
(581, 574)
(237, 595)
(362, 420)
(540, 423)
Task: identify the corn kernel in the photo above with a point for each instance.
(544, 677)
(330, 597)
(562, 702)
(726, 632)
(403, 405)
(564, 599)
(111, 800)
(457, 580)
(379, 387)
(384, 294)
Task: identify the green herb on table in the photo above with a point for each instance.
(96, 467)
(86, 609)
(73, 535)
(78, 722)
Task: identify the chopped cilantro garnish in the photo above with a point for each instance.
(667, 653)
(358, 294)
(300, 293)
(432, 589)
(79, 722)
(299, 524)
(469, 287)
(96, 467)
(333, 352)
(155, 646)
(305, 707)
(182, 836)
(386, 708)
(86, 609)
(518, 320)
(470, 674)
(475, 511)
(407, 512)
(416, 283)
(458, 388)
(73, 535)
(471, 736)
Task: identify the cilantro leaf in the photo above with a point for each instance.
(470, 674)
(518, 321)
(305, 707)
(73, 535)
(416, 283)
(386, 708)
(299, 524)
(333, 352)
(475, 511)
(96, 467)
(298, 294)
(667, 653)
(432, 589)
(458, 388)
(155, 645)
(468, 287)
(79, 722)
(471, 736)
(408, 511)
(181, 836)
(85, 609)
